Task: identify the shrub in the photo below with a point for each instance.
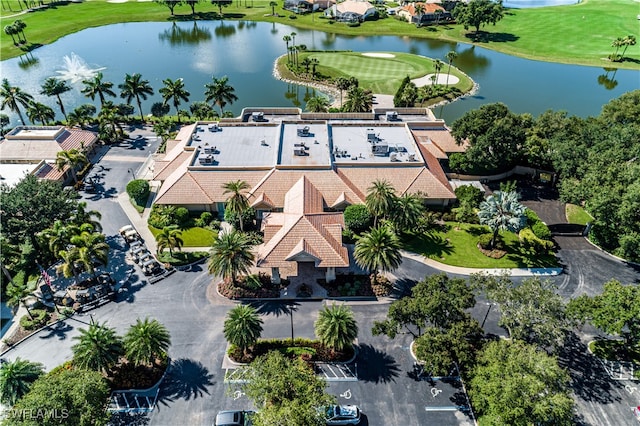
(532, 217)
(247, 218)
(40, 318)
(206, 218)
(357, 218)
(162, 216)
(215, 224)
(181, 217)
(138, 190)
(484, 241)
(469, 194)
(530, 243)
(256, 238)
(541, 231)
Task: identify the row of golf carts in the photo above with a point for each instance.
(142, 256)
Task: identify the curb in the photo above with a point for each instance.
(9, 348)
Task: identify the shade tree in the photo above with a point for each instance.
(16, 378)
(477, 13)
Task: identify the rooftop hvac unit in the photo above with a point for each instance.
(394, 157)
(392, 115)
(371, 136)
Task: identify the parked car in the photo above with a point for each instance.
(343, 415)
(234, 418)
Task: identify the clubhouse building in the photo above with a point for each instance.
(304, 169)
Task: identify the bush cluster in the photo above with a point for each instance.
(40, 318)
(138, 190)
(357, 218)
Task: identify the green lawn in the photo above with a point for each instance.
(576, 214)
(580, 34)
(457, 247)
(193, 237)
(380, 75)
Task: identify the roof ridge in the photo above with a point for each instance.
(349, 184)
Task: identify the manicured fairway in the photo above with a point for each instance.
(381, 74)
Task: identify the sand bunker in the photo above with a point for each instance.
(379, 55)
(442, 79)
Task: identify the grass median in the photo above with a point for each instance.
(578, 34)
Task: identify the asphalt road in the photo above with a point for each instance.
(385, 390)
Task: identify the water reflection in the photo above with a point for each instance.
(472, 61)
(177, 35)
(27, 61)
(609, 82)
(225, 31)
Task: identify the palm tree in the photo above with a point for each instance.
(81, 115)
(4, 122)
(406, 212)
(438, 13)
(306, 63)
(68, 266)
(342, 84)
(174, 90)
(55, 87)
(380, 198)
(273, 5)
(90, 248)
(378, 249)
(169, 238)
(220, 93)
(135, 87)
(40, 112)
(336, 328)
(109, 122)
(11, 30)
(451, 55)
(318, 104)
(629, 40)
(287, 39)
(98, 348)
(617, 43)
(71, 158)
(502, 211)
(237, 202)
(16, 378)
(146, 341)
(16, 294)
(358, 100)
(437, 66)
(19, 28)
(230, 255)
(419, 8)
(242, 327)
(83, 216)
(12, 97)
(314, 63)
(97, 87)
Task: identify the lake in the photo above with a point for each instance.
(246, 51)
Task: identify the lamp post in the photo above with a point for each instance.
(132, 173)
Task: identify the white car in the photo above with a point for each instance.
(343, 415)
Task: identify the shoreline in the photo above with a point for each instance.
(334, 94)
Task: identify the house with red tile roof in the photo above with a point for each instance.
(421, 13)
(33, 150)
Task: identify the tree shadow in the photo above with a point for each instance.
(476, 231)
(376, 366)
(139, 143)
(186, 379)
(487, 37)
(432, 244)
(589, 380)
(59, 330)
(277, 308)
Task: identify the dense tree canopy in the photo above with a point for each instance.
(517, 384)
(72, 397)
(477, 13)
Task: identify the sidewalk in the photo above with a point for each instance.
(139, 221)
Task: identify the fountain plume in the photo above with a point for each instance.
(75, 69)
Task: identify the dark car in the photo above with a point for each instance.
(234, 418)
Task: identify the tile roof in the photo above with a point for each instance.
(50, 172)
(359, 7)
(303, 232)
(163, 169)
(442, 138)
(39, 148)
(428, 8)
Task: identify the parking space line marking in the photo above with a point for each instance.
(448, 408)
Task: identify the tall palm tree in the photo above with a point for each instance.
(230, 255)
(96, 87)
(56, 87)
(358, 100)
(220, 93)
(336, 328)
(237, 202)
(20, 26)
(342, 84)
(16, 293)
(174, 90)
(502, 211)
(98, 348)
(629, 40)
(146, 341)
(437, 66)
(242, 327)
(71, 158)
(12, 97)
(40, 112)
(419, 8)
(11, 30)
(16, 378)
(318, 104)
(58, 237)
(287, 39)
(378, 249)
(68, 267)
(135, 87)
(90, 248)
(617, 43)
(406, 212)
(314, 63)
(81, 115)
(170, 238)
(109, 122)
(273, 5)
(380, 198)
(451, 55)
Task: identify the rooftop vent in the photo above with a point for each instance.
(304, 131)
(206, 159)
